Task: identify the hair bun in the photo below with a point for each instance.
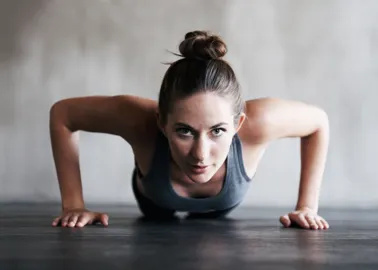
(202, 45)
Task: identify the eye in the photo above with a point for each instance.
(184, 131)
(218, 131)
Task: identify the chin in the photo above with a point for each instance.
(200, 177)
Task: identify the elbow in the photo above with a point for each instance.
(55, 111)
(57, 114)
(322, 127)
(323, 122)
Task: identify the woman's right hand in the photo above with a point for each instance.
(79, 218)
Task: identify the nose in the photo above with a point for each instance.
(200, 150)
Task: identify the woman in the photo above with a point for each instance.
(197, 148)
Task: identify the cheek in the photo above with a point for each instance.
(179, 148)
(221, 148)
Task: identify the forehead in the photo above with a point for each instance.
(205, 108)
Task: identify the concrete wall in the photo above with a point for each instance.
(322, 52)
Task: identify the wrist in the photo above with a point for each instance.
(306, 208)
(69, 205)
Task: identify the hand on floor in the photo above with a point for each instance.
(80, 218)
(304, 218)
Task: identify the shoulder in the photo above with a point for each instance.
(269, 118)
(144, 111)
(126, 116)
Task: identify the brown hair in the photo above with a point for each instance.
(201, 69)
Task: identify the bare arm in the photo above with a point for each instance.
(274, 119)
(123, 116)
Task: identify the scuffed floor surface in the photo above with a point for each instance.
(248, 239)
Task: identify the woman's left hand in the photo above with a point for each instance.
(304, 218)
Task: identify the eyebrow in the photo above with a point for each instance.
(189, 127)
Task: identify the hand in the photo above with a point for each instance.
(305, 218)
(79, 218)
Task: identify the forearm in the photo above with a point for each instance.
(314, 150)
(65, 151)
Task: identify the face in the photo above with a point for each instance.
(200, 129)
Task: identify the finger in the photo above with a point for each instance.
(319, 223)
(285, 221)
(101, 218)
(104, 219)
(56, 221)
(325, 223)
(311, 221)
(64, 220)
(72, 221)
(300, 220)
(83, 220)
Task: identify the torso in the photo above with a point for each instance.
(180, 184)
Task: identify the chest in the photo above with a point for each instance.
(184, 187)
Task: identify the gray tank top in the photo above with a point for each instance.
(158, 187)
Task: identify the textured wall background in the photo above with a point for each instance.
(322, 52)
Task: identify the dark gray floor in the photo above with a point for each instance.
(249, 239)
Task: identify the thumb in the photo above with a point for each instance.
(285, 220)
(104, 218)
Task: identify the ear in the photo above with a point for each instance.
(241, 119)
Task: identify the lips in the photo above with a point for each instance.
(198, 169)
